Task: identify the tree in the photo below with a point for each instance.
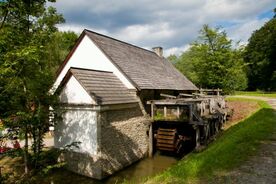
(58, 48)
(213, 62)
(173, 58)
(26, 28)
(260, 56)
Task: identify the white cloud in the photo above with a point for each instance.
(68, 27)
(242, 31)
(149, 33)
(171, 24)
(176, 50)
(79, 28)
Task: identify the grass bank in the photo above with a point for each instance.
(256, 93)
(231, 148)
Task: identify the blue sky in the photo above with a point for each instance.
(172, 24)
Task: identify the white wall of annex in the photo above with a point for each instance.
(89, 56)
(78, 125)
(74, 93)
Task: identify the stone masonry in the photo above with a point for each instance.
(122, 140)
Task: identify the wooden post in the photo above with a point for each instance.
(152, 110)
(150, 141)
(178, 112)
(165, 111)
(190, 114)
(197, 138)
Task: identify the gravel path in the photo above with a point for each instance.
(271, 101)
(261, 168)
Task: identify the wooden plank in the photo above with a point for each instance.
(197, 138)
(165, 111)
(165, 137)
(210, 90)
(165, 145)
(150, 141)
(167, 129)
(190, 114)
(165, 141)
(152, 110)
(166, 133)
(166, 149)
(198, 94)
(179, 101)
(167, 96)
(187, 95)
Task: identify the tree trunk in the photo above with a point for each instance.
(39, 140)
(5, 16)
(26, 153)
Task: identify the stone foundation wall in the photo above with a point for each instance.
(82, 163)
(122, 138)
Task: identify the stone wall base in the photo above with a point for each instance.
(83, 164)
(122, 138)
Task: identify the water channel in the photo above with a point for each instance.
(134, 173)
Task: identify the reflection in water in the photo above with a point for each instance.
(143, 169)
(134, 173)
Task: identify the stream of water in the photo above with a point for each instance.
(134, 173)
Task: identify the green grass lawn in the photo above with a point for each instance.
(228, 151)
(256, 93)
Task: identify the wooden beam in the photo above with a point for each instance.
(179, 101)
(178, 112)
(190, 113)
(150, 141)
(152, 110)
(210, 90)
(198, 94)
(167, 96)
(187, 95)
(197, 138)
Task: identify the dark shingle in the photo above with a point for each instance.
(145, 68)
(104, 87)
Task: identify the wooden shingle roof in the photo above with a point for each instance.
(104, 87)
(144, 68)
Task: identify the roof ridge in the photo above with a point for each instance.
(119, 41)
(87, 69)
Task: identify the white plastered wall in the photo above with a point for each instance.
(78, 125)
(74, 93)
(89, 56)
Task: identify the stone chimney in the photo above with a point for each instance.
(158, 51)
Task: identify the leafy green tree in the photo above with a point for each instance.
(25, 76)
(173, 58)
(213, 62)
(186, 66)
(58, 48)
(260, 56)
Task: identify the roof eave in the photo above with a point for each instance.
(110, 59)
(69, 55)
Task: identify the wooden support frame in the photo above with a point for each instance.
(165, 111)
(211, 90)
(167, 96)
(190, 113)
(178, 112)
(197, 138)
(152, 110)
(150, 141)
(186, 95)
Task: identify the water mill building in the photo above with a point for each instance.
(103, 86)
